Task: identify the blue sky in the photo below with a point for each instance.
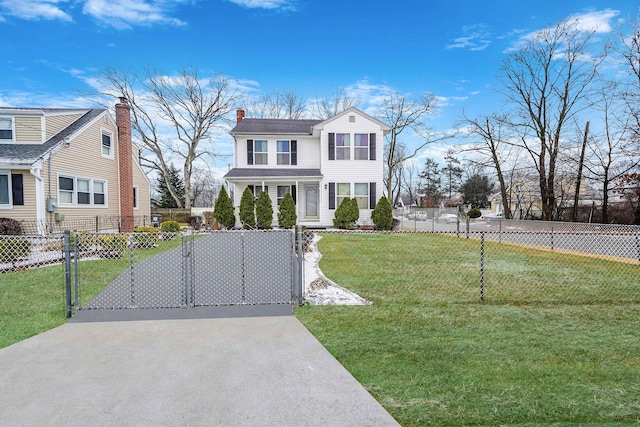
(453, 49)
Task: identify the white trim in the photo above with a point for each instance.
(110, 133)
(74, 203)
(13, 128)
(7, 173)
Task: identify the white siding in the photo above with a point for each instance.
(308, 151)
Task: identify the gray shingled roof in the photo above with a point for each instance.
(25, 154)
(272, 173)
(274, 126)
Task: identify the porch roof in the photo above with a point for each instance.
(243, 173)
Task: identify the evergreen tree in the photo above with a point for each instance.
(248, 209)
(264, 211)
(223, 210)
(382, 215)
(287, 213)
(166, 199)
(476, 191)
(347, 214)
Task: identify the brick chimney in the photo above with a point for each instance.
(125, 164)
(239, 115)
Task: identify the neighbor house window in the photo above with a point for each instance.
(6, 128)
(81, 191)
(361, 193)
(343, 191)
(343, 146)
(107, 144)
(284, 152)
(361, 146)
(5, 189)
(260, 156)
(135, 197)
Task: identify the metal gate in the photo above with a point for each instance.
(217, 268)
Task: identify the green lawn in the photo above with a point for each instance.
(33, 301)
(433, 354)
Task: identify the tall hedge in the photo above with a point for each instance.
(347, 214)
(264, 211)
(382, 215)
(248, 209)
(287, 217)
(223, 210)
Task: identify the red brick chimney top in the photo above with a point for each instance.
(239, 115)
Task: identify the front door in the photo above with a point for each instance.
(311, 204)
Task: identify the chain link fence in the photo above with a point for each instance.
(531, 262)
(95, 224)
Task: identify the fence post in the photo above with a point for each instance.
(552, 237)
(638, 242)
(299, 288)
(75, 264)
(468, 226)
(67, 272)
(482, 266)
(187, 258)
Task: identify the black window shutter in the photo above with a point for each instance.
(250, 187)
(332, 146)
(249, 151)
(372, 195)
(17, 192)
(294, 153)
(332, 195)
(294, 193)
(372, 146)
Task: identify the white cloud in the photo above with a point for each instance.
(266, 4)
(475, 37)
(35, 9)
(122, 14)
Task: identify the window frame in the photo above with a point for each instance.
(11, 129)
(343, 148)
(75, 192)
(357, 149)
(280, 153)
(108, 133)
(359, 197)
(9, 204)
(340, 197)
(264, 153)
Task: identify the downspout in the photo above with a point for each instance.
(51, 224)
(35, 170)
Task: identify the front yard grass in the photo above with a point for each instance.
(33, 301)
(432, 354)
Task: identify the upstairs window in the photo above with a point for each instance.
(6, 128)
(343, 146)
(260, 156)
(107, 144)
(361, 146)
(284, 152)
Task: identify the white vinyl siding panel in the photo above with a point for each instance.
(307, 150)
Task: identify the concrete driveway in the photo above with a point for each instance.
(242, 371)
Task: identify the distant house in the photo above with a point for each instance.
(523, 199)
(319, 162)
(58, 166)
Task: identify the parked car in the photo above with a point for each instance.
(494, 216)
(447, 218)
(418, 216)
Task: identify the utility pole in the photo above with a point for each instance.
(576, 197)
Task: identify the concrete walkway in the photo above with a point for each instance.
(242, 371)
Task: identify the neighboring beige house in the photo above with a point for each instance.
(61, 166)
(319, 162)
(524, 201)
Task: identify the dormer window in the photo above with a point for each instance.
(6, 128)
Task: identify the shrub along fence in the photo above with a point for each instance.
(557, 263)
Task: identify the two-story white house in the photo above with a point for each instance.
(319, 162)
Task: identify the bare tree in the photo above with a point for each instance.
(173, 117)
(325, 108)
(277, 105)
(491, 147)
(403, 115)
(547, 80)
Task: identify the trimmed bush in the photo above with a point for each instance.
(474, 213)
(264, 211)
(347, 214)
(248, 209)
(170, 226)
(223, 210)
(382, 215)
(287, 217)
(112, 245)
(146, 237)
(86, 240)
(10, 227)
(14, 249)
